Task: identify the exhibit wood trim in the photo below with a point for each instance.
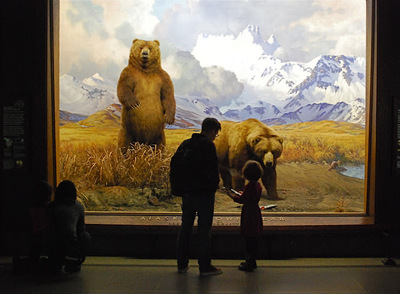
(230, 221)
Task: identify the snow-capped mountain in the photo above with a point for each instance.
(99, 81)
(333, 79)
(67, 117)
(190, 112)
(329, 87)
(260, 112)
(316, 112)
(87, 96)
(292, 87)
(288, 86)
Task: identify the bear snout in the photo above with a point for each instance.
(145, 53)
(269, 164)
(269, 159)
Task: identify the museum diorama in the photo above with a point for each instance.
(111, 95)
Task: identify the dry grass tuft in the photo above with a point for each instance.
(341, 205)
(321, 150)
(91, 165)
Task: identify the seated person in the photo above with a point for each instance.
(69, 237)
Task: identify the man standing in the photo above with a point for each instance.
(200, 197)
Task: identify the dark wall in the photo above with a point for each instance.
(23, 67)
(388, 89)
(23, 77)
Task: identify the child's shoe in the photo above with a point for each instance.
(210, 271)
(183, 270)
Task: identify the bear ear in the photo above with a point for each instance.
(135, 40)
(158, 42)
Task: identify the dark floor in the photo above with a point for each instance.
(103, 275)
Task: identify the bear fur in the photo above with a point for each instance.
(239, 142)
(146, 94)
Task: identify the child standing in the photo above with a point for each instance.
(251, 224)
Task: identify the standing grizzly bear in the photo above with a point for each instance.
(239, 142)
(146, 93)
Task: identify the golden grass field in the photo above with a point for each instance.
(139, 181)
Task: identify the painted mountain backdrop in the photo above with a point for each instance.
(329, 87)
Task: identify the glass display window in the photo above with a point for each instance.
(300, 68)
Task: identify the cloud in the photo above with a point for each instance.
(305, 29)
(225, 86)
(89, 16)
(138, 14)
(350, 45)
(190, 79)
(95, 35)
(182, 24)
(336, 27)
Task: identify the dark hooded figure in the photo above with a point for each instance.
(70, 238)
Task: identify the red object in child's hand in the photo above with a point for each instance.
(268, 206)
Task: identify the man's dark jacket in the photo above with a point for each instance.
(205, 177)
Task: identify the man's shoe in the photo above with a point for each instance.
(210, 271)
(253, 265)
(183, 269)
(247, 267)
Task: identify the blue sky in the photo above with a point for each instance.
(160, 6)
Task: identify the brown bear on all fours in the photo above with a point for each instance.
(146, 93)
(239, 142)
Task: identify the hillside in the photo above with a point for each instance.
(327, 128)
(104, 126)
(332, 131)
(100, 127)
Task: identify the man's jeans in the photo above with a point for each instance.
(204, 206)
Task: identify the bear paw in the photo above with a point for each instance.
(169, 119)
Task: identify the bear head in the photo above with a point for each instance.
(267, 148)
(145, 54)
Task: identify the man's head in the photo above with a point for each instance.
(210, 128)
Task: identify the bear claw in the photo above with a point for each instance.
(135, 106)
